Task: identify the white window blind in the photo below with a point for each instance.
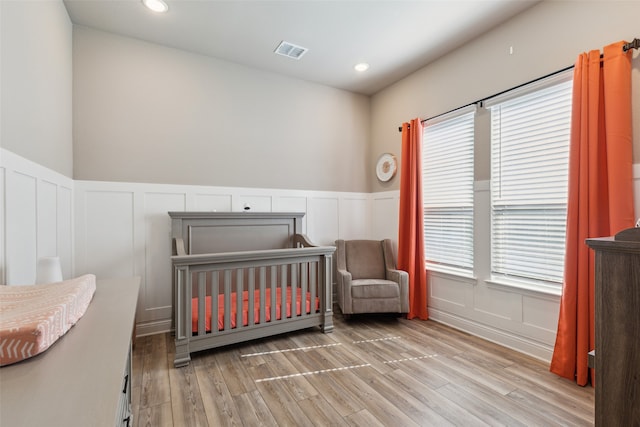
(447, 186)
(530, 133)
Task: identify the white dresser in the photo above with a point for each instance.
(84, 378)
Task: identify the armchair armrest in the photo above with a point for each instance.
(402, 279)
(343, 275)
(343, 284)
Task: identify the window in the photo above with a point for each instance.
(447, 187)
(530, 129)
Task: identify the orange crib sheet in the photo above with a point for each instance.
(245, 308)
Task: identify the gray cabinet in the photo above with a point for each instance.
(83, 379)
(617, 324)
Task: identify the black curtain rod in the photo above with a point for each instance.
(480, 101)
(635, 44)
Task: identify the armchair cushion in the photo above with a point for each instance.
(364, 259)
(374, 288)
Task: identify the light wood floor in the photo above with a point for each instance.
(371, 371)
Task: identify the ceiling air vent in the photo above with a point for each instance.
(290, 50)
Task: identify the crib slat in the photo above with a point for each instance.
(202, 297)
(251, 288)
(215, 291)
(263, 289)
(227, 300)
(294, 288)
(303, 287)
(313, 276)
(283, 291)
(273, 285)
(239, 297)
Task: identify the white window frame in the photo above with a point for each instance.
(448, 197)
(509, 264)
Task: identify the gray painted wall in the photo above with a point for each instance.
(149, 113)
(36, 82)
(545, 38)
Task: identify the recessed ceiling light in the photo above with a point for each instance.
(156, 5)
(363, 66)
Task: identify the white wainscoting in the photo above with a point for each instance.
(384, 215)
(520, 319)
(36, 218)
(123, 229)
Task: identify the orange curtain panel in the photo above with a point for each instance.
(600, 200)
(410, 234)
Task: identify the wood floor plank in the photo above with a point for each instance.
(554, 390)
(371, 371)
(282, 405)
(450, 410)
(320, 412)
(478, 374)
(551, 410)
(155, 416)
(218, 403)
(156, 388)
(407, 402)
(488, 413)
(538, 375)
(466, 389)
(234, 371)
(363, 418)
(254, 410)
(187, 405)
(385, 411)
(341, 399)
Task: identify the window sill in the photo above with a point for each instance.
(536, 288)
(452, 272)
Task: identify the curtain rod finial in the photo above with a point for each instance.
(635, 44)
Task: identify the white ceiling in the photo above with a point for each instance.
(396, 37)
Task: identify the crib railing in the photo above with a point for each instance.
(231, 297)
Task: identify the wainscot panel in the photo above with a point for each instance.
(354, 215)
(384, 215)
(156, 294)
(323, 219)
(37, 207)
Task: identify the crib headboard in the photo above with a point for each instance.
(215, 232)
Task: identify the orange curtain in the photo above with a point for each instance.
(410, 235)
(600, 199)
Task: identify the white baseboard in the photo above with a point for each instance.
(152, 328)
(518, 343)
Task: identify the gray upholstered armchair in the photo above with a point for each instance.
(367, 279)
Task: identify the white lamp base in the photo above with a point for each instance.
(48, 270)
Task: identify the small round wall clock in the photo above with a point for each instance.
(386, 167)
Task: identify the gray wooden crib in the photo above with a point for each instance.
(239, 276)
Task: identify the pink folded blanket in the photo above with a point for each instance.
(33, 317)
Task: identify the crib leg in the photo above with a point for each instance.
(183, 357)
(327, 324)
